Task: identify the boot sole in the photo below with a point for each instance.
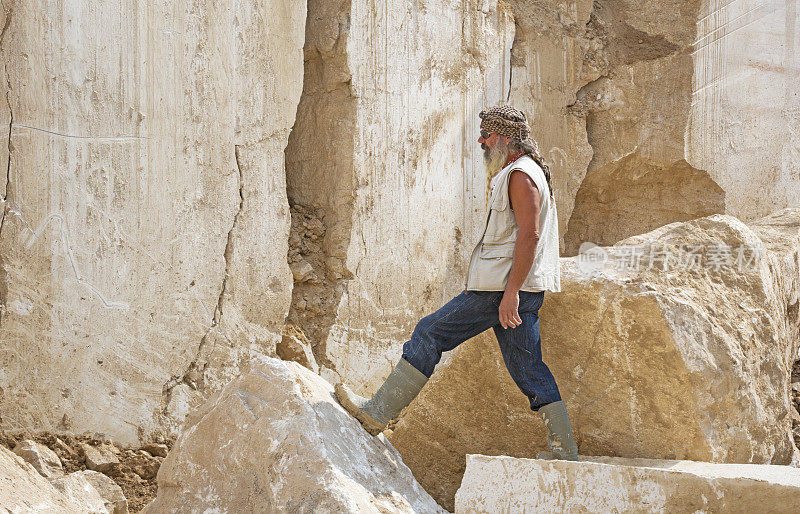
(552, 456)
(368, 422)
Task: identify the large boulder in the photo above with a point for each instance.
(275, 439)
(607, 484)
(692, 362)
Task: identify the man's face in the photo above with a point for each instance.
(492, 141)
(495, 151)
(488, 140)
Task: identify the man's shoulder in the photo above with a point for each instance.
(527, 165)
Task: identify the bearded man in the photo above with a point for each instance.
(513, 264)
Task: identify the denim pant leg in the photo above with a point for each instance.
(465, 316)
(522, 353)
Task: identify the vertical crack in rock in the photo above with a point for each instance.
(194, 376)
(320, 178)
(3, 277)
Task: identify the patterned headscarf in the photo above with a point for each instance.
(506, 121)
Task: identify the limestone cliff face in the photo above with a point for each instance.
(670, 111)
(611, 87)
(144, 232)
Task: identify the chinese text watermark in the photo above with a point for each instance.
(718, 257)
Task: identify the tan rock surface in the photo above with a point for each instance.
(604, 484)
(606, 212)
(99, 458)
(275, 439)
(677, 364)
(144, 235)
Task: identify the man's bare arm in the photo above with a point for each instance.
(524, 196)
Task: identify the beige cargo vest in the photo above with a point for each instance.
(492, 257)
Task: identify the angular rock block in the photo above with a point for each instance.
(275, 439)
(688, 360)
(42, 458)
(23, 489)
(609, 484)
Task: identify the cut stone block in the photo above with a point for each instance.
(156, 449)
(98, 458)
(613, 484)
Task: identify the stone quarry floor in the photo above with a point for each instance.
(138, 490)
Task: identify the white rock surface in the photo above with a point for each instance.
(77, 487)
(113, 497)
(605, 484)
(275, 439)
(23, 489)
(143, 175)
(744, 127)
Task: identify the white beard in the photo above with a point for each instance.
(494, 160)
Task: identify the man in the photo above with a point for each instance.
(513, 264)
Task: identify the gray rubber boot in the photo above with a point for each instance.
(559, 431)
(400, 388)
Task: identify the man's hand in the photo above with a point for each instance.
(509, 316)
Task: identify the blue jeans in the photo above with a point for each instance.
(469, 314)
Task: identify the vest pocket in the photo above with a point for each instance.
(497, 251)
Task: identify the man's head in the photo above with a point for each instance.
(503, 128)
(505, 131)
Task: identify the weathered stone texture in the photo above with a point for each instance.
(605, 212)
(145, 224)
(744, 127)
(700, 86)
(275, 439)
(43, 459)
(605, 484)
(688, 363)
